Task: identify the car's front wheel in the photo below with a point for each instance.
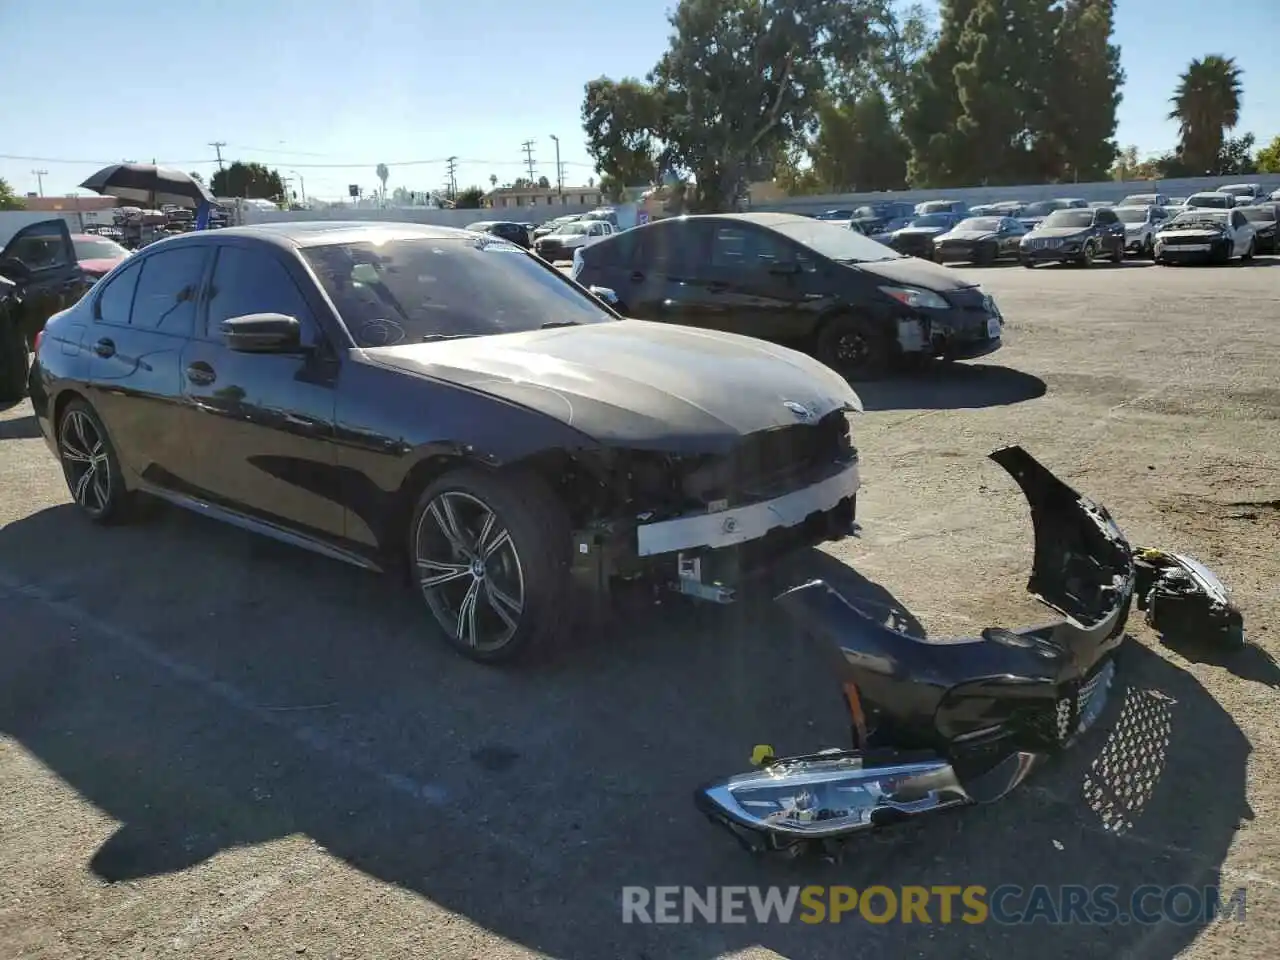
(90, 464)
(854, 347)
(490, 553)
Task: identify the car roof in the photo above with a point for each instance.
(310, 233)
(1209, 193)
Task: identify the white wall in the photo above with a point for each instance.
(11, 221)
(1107, 190)
(448, 218)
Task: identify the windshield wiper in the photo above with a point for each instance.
(432, 337)
(552, 324)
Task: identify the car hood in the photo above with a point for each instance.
(637, 384)
(968, 235)
(919, 231)
(1061, 233)
(98, 265)
(913, 272)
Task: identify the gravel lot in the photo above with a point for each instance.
(215, 746)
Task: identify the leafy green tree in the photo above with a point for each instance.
(471, 198)
(544, 183)
(1125, 163)
(251, 181)
(624, 124)
(1206, 104)
(1236, 155)
(612, 188)
(8, 199)
(858, 147)
(196, 177)
(382, 174)
(1268, 158)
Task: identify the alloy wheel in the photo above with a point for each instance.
(852, 349)
(469, 571)
(86, 462)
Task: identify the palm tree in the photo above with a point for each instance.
(493, 179)
(383, 173)
(1206, 104)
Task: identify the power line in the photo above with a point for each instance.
(217, 146)
(528, 156)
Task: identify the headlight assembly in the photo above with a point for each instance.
(916, 298)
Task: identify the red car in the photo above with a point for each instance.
(97, 255)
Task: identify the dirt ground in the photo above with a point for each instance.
(215, 746)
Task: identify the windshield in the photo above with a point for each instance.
(1133, 214)
(1069, 218)
(1139, 200)
(1237, 190)
(933, 220)
(407, 291)
(979, 223)
(98, 248)
(835, 242)
(1219, 201)
(572, 229)
(936, 206)
(1043, 208)
(1200, 216)
(1259, 214)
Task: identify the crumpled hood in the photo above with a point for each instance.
(914, 272)
(637, 384)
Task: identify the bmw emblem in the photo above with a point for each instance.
(802, 412)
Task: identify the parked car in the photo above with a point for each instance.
(876, 217)
(551, 226)
(834, 215)
(1074, 236)
(1034, 213)
(44, 276)
(568, 237)
(1177, 202)
(1003, 208)
(1263, 217)
(1140, 226)
(886, 232)
(1275, 195)
(1145, 200)
(980, 240)
(97, 255)
(957, 207)
(408, 396)
(854, 304)
(1212, 200)
(1245, 193)
(516, 233)
(1206, 235)
(916, 238)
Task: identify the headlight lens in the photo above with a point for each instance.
(916, 298)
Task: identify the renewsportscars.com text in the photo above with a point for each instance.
(1008, 904)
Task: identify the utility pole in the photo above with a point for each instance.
(528, 157)
(40, 175)
(452, 184)
(559, 168)
(302, 186)
(217, 146)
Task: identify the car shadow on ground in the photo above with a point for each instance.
(19, 428)
(950, 386)
(211, 691)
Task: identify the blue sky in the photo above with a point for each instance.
(311, 86)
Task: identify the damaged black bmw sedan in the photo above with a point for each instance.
(432, 400)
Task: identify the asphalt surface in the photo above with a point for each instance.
(212, 745)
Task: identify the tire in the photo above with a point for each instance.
(1027, 263)
(500, 547)
(1086, 255)
(90, 465)
(15, 363)
(1117, 255)
(1149, 249)
(985, 256)
(853, 347)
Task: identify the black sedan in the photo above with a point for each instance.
(917, 237)
(516, 233)
(1074, 236)
(853, 303)
(422, 399)
(980, 240)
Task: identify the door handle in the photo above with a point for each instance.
(637, 276)
(201, 374)
(105, 348)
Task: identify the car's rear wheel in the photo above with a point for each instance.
(853, 346)
(490, 553)
(90, 464)
(14, 359)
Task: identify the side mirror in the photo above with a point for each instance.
(263, 333)
(785, 268)
(604, 294)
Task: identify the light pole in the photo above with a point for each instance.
(302, 186)
(559, 178)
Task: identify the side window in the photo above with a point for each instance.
(1237, 219)
(40, 248)
(734, 246)
(115, 301)
(165, 299)
(254, 281)
(666, 245)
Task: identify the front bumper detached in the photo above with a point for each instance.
(938, 724)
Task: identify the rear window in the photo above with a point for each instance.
(1133, 214)
(1259, 214)
(1219, 201)
(1069, 218)
(979, 223)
